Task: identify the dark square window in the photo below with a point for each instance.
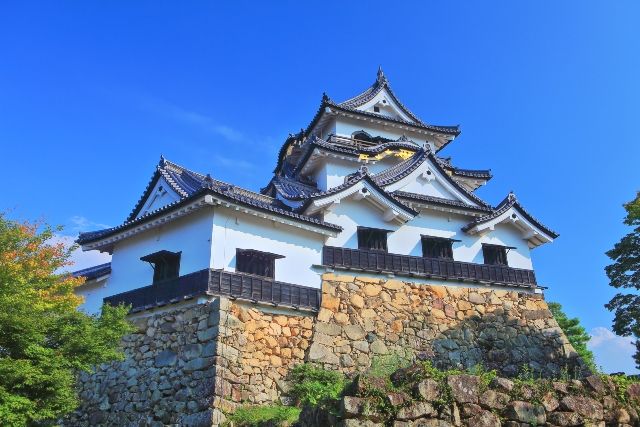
(494, 254)
(376, 109)
(372, 239)
(437, 247)
(256, 262)
(166, 265)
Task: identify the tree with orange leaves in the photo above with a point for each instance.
(44, 339)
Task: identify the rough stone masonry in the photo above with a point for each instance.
(190, 365)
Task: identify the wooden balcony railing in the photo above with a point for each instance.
(352, 142)
(218, 282)
(381, 262)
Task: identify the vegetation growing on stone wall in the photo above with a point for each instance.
(420, 393)
(312, 385)
(472, 397)
(266, 415)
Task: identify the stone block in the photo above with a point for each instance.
(165, 358)
(198, 364)
(585, 406)
(525, 412)
(502, 384)
(464, 388)
(354, 332)
(415, 410)
(362, 346)
(208, 334)
(324, 315)
(191, 351)
(484, 419)
(317, 352)
(330, 302)
(341, 318)
(491, 399)
(330, 329)
(378, 347)
(357, 407)
(428, 390)
(393, 285)
(356, 301)
(371, 290)
(565, 419)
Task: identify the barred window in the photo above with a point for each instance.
(494, 254)
(166, 265)
(372, 239)
(256, 262)
(437, 247)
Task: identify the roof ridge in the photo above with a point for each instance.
(401, 169)
(507, 203)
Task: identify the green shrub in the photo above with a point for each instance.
(485, 376)
(266, 415)
(313, 385)
(622, 383)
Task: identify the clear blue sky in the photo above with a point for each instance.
(547, 95)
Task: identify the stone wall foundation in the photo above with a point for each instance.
(190, 365)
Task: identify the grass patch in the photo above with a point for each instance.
(265, 415)
(312, 385)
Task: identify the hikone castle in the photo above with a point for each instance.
(366, 241)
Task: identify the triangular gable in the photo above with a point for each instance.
(178, 183)
(511, 212)
(380, 99)
(160, 195)
(362, 188)
(423, 175)
(384, 103)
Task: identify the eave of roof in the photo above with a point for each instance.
(446, 130)
(439, 201)
(321, 144)
(507, 203)
(208, 186)
(93, 272)
(404, 168)
(289, 188)
(361, 175)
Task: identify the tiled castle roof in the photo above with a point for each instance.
(423, 198)
(510, 201)
(93, 272)
(404, 168)
(328, 102)
(350, 181)
(381, 83)
(191, 185)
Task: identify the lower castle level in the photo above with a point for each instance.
(190, 364)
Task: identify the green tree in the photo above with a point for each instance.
(44, 339)
(624, 273)
(575, 332)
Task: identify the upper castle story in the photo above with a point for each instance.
(361, 188)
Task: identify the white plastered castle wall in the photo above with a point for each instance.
(405, 239)
(301, 248)
(191, 235)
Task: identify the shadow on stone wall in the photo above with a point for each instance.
(362, 318)
(499, 341)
